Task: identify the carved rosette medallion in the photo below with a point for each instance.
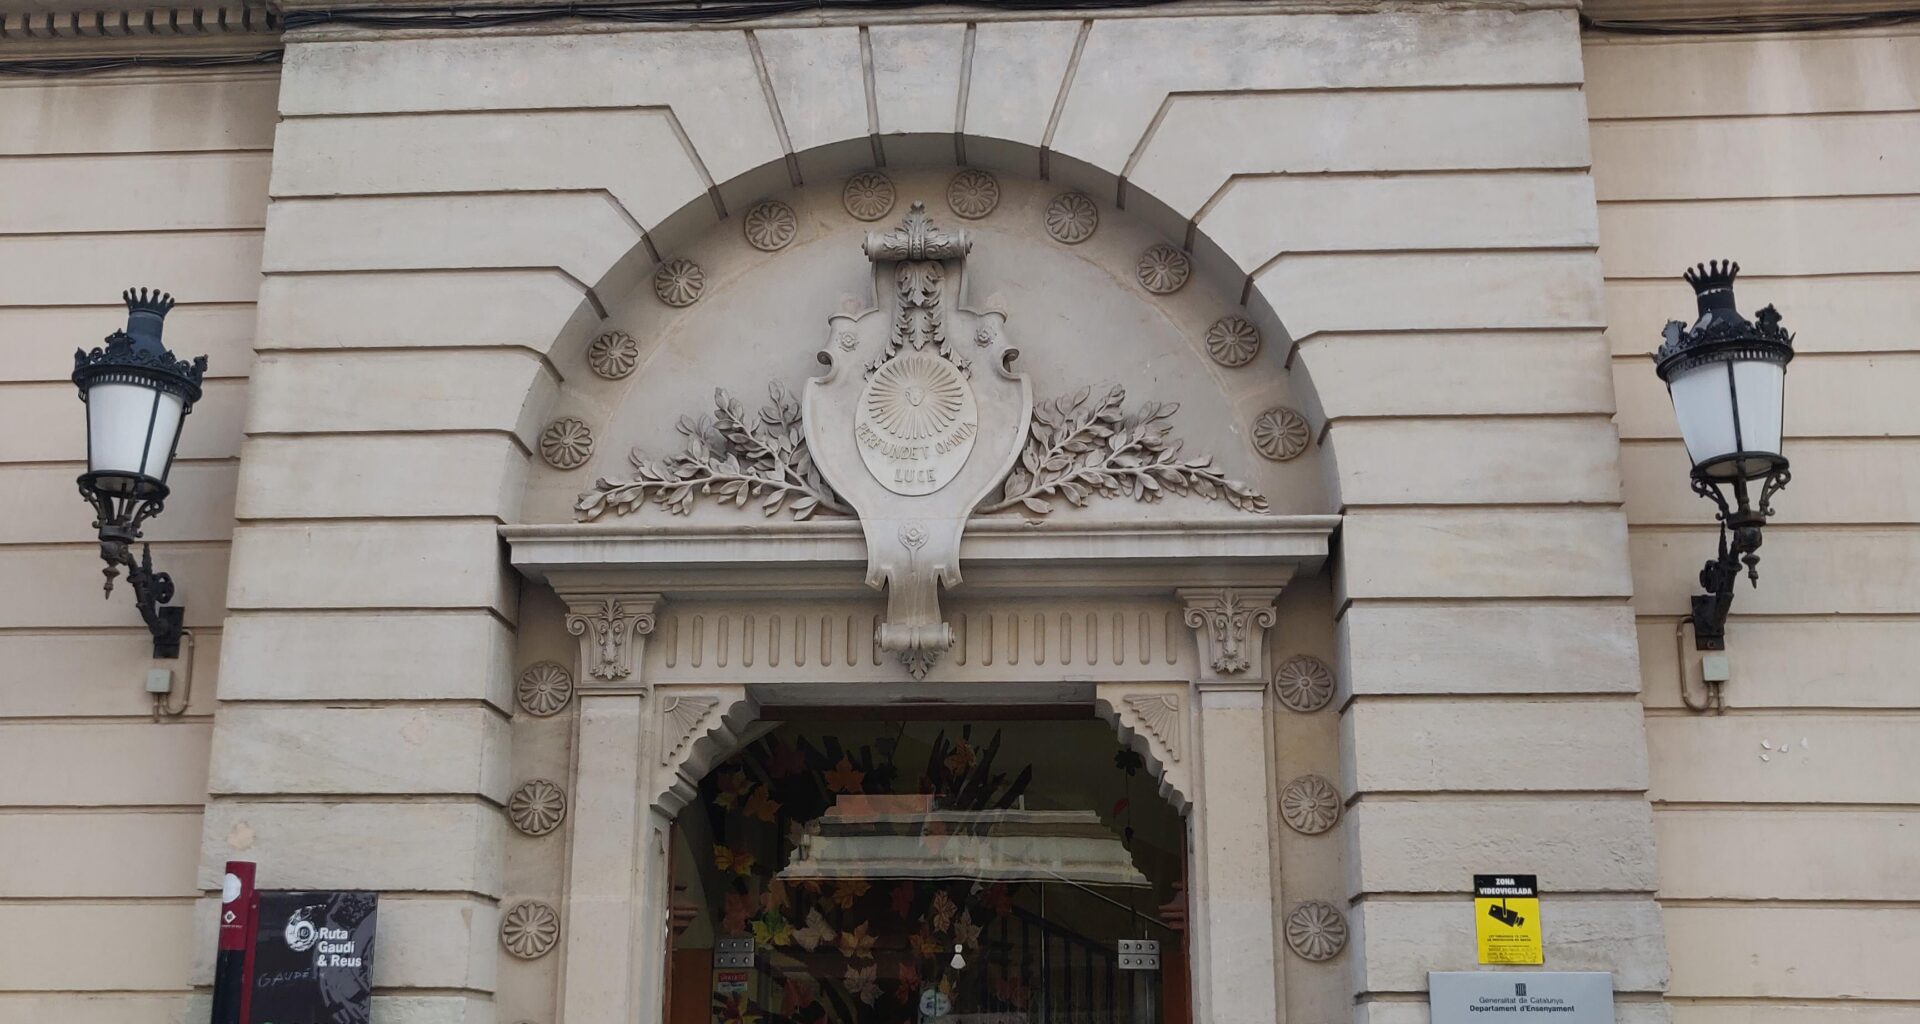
(868, 195)
(537, 807)
(1303, 683)
(567, 443)
(1280, 434)
(1163, 269)
(973, 194)
(1310, 805)
(769, 225)
(1233, 341)
(916, 423)
(1072, 218)
(679, 282)
(1316, 931)
(530, 930)
(613, 355)
(544, 688)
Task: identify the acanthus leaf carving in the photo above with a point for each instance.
(1081, 446)
(734, 457)
(607, 627)
(682, 716)
(1231, 624)
(916, 249)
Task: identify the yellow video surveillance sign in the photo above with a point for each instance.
(1506, 919)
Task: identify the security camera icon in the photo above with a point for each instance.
(1510, 918)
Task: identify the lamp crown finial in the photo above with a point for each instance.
(146, 311)
(1712, 283)
(147, 300)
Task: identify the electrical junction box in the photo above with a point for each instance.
(1715, 668)
(159, 680)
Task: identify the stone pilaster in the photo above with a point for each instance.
(1234, 889)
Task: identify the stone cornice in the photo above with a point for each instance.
(1002, 555)
(1657, 11)
(310, 16)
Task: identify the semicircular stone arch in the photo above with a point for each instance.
(461, 216)
(737, 310)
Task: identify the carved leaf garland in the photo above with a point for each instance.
(1082, 445)
(734, 457)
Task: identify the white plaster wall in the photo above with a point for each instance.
(1784, 876)
(124, 179)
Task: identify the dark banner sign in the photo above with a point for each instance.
(313, 958)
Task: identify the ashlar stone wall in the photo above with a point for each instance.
(126, 179)
(1403, 194)
(1787, 826)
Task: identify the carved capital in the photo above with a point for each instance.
(612, 629)
(1229, 625)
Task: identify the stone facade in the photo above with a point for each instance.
(1397, 263)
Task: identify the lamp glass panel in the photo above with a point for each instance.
(1762, 388)
(1703, 403)
(119, 416)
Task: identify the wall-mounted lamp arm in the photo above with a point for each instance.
(151, 592)
(1740, 537)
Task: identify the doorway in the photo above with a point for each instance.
(840, 869)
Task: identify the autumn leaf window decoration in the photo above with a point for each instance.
(870, 950)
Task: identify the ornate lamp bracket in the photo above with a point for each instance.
(1230, 626)
(1740, 536)
(612, 629)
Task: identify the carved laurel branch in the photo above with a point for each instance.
(732, 457)
(1083, 445)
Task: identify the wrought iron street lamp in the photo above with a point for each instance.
(137, 394)
(1727, 378)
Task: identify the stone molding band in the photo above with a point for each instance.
(146, 21)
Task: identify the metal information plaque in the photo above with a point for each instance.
(1537, 997)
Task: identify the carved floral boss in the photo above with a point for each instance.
(914, 432)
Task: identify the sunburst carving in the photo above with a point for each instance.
(682, 717)
(916, 396)
(1159, 715)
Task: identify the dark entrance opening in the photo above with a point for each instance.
(844, 870)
